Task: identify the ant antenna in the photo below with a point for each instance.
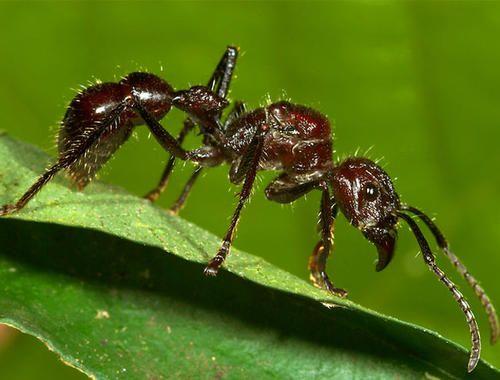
(464, 305)
(480, 293)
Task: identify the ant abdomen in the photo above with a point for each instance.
(95, 109)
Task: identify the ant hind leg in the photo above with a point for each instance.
(70, 156)
(33, 190)
(287, 189)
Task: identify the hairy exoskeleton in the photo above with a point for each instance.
(293, 139)
(102, 117)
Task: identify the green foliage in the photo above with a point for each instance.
(124, 308)
(42, 362)
(418, 81)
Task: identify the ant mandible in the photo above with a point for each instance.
(292, 138)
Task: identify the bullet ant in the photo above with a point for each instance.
(291, 138)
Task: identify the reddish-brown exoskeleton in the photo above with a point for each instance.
(291, 138)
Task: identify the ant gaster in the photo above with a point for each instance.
(291, 138)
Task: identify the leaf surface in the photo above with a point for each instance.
(114, 285)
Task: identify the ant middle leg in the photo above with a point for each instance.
(181, 200)
(253, 155)
(162, 185)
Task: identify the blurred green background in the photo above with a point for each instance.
(418, 81)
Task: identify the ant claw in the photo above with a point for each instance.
(174, 211)
(210, 271)
(326, 284)
(335, 291)
(7, 209)
(342, 293)
(152, 196)
(213, 266)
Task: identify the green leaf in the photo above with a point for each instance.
(114, 286)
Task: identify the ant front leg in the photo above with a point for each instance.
(317, 261)
(287, 189)
(252, 156)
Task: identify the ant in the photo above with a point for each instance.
(291, 138)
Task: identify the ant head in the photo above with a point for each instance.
(366, 196)
(199, 101)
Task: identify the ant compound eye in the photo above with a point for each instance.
(371, 192)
